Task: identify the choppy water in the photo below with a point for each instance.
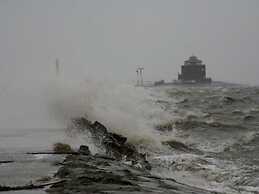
(222, 122)
(219, 123)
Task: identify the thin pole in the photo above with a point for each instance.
(141, 75)
(57, 67)
(137, 77)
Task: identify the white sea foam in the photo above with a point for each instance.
(123, 108)
(197, 170)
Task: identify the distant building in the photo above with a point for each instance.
(158, 83)
(193, 71)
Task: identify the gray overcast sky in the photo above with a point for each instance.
(108, 38)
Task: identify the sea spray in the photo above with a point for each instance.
(123, 108)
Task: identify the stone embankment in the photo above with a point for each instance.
(121, 170)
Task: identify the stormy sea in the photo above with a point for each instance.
(203, 136)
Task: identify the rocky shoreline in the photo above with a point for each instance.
(86, 173)
(121, 170)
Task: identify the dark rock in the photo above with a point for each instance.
(84, 150)
(104, 157)
(122, 170)
(99, 128)
(116, 145)
(63, 172)
(119, 138)
(97, 174)
(62, 148)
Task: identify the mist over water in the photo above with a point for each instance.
(50, 106)
(123, 108)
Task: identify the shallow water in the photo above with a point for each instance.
(26, 169)
(25, 192)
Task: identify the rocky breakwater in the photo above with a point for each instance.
(121, 170)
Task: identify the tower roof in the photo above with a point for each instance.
(193, 60)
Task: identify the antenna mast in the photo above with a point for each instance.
(140, 81)
(57, 67)
(137, 77)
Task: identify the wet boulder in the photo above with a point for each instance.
(116, 145)
(98, 128)
(62, 148)
(118, 138)
(84, 150)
